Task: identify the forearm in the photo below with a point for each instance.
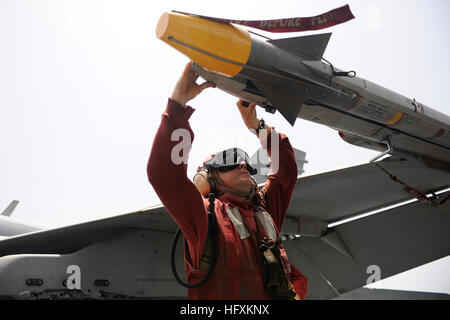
(283, 164)
(163, 161)
(281, 180)
(168, 175)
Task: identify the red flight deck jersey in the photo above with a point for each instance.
(239, 270)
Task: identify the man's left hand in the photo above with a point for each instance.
(248, 114)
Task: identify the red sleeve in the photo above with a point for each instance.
(282, 178)
(169, 178)
(299, 281)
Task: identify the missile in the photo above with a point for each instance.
(291, 76)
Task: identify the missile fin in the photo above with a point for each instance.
(312, 46)
(287, 103)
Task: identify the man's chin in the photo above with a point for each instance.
(245, 181)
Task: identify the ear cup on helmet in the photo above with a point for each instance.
(203, 181)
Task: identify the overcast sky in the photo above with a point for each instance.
(83, 85)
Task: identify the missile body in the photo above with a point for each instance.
(289, 75)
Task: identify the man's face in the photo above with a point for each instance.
(238, 178)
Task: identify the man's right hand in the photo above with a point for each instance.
(187, 88)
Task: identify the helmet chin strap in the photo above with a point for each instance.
(223, 188)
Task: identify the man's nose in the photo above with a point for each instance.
(243, 164)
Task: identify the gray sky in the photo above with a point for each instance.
(83, 84)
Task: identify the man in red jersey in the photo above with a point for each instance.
(249, 263)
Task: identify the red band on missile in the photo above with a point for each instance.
(322, 21)
(438, 134)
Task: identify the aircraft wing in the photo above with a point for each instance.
(339, 256)
(341, 194)
(383, 294)
(71, 238)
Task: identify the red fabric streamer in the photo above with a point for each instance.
(325, 20)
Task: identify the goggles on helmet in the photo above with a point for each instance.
(230, 159)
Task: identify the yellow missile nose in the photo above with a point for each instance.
(217, 47)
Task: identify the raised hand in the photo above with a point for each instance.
(187, 88)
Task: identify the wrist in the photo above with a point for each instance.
(178, 99)
(254, 124)
(261, 125)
